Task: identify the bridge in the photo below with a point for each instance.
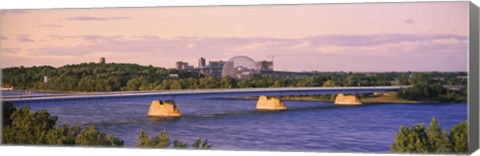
(268, 97)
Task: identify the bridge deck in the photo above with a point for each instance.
(201, 93)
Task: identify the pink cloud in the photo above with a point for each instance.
(90, 18)
(24, 38)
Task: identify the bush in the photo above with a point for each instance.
(38, 128)
(162, 140)
(420, 139)
(28, 128)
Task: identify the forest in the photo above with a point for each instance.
(94, 77)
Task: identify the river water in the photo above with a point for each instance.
(236, 125)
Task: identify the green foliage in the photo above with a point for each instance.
(201, 144)
(179, 144)
(459, 138)
(8, 110)
(162, 140)
(144, 140)
(28, 128)
(433, 139)
(91, 137)
(425, 87)
(64, 135)
(24, 127)
(39, 128)
(131, 77)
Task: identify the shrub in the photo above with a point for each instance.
(433, 139)
(38, 128)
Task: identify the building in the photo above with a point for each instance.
(180, 65)
(201, 62)
(214, 68)
(265, 65)
(102, 60)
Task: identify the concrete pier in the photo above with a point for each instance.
(342, 99)
(163, 109)
(270, 103)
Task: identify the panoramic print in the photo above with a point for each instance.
(378, 77)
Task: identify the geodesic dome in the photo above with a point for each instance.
(240, 67)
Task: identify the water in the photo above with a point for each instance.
(236, 125)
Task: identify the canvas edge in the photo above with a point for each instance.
(473, 80)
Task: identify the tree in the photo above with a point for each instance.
(28, 128)
(459, 138)
(420, 139)
(91, 137)
(201, 144)
(65, 135)
(179, 144)
(161, 140)
(329, 83)
(175, 85)
(437, 137)
(144, 140)
(8, 110)
(133, 84)
(227, 82)
(39, 128)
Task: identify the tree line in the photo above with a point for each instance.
(22, 127)
(92, 77)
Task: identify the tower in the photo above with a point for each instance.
(201, 62)
(102, 60)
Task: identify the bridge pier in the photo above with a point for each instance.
(163, 109)
(342, 99)
(270, 103)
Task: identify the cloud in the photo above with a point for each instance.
(397, 48)
(409, 21)
(90, 18)
(323, 44)
(10, 50)
(50, 25)
(24, 38)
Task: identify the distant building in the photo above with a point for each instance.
(201, 62)
(265, 65)
(45, 79)
(214, 68)
(453, 87)
(182, 65)
(173, 75)
(102, 60)
(462, 77)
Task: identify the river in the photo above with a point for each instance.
(236, 125)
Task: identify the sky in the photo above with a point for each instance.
(427, 36)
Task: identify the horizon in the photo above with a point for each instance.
(382, 37)
(92, 62)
